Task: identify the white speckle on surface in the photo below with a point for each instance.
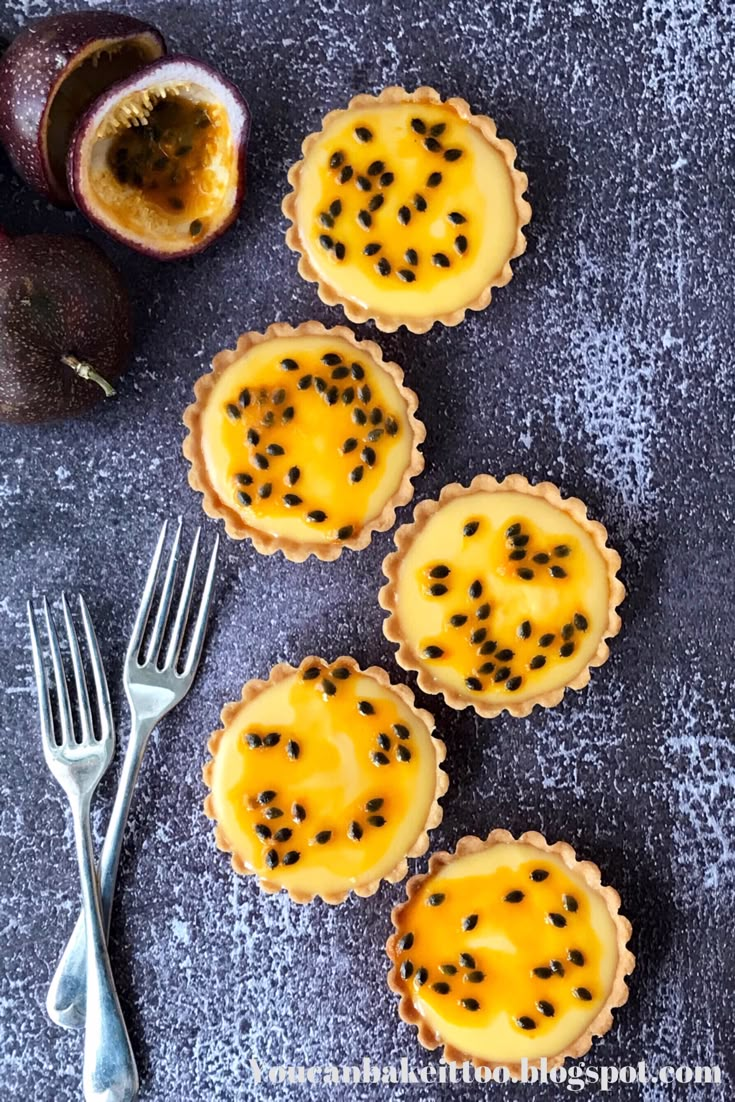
(181, 931)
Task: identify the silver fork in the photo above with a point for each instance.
(78, 764)
(152, 691)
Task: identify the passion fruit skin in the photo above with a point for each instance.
(59, 297)
(175, 68)
(34, 67)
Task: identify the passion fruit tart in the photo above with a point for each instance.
(501, 595)
(324, 779)
(159, 160)
(304, 440)
(509, 949)
(407, 209)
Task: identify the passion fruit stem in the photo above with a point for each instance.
(86, 371)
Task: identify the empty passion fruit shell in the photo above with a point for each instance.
(159, 160)
(51, 73)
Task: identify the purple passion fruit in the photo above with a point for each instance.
(51, 73)
(65, 327)
(159, 160)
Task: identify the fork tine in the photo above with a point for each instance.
(85, 713)
(182, 611)
(44, 702)
(164, 604)
(62, 693)
(144, 608)
(200, 627)
(98, 673)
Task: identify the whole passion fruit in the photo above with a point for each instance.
(159, 160)
(50, 74)
(65, 327)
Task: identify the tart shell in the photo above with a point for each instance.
(238, 528)
(279, 673)
(592, 876)
(388, 323)
(407, 657)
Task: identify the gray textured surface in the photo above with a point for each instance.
(605, 366)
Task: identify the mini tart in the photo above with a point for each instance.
(501, 595)
(407, 209)
(324, 779)
(303, 439)
(509, 949)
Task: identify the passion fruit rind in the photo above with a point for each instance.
(49, 75)
(159, 160)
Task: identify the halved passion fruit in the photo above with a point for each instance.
(159, 160)
(51, 73)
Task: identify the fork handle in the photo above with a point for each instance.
(110, 1074)
(65, 1001)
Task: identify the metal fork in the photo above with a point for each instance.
(152, 691)
(78, 764)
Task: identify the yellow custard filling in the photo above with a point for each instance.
(306, 437)
(324, 780)
(503, 596)
(507, 953)
(406, 208)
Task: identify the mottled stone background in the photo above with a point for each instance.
(604, 366)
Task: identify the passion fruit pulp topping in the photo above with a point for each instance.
(503, 596)
(407, 208)
(166, 159)
(305, 437)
